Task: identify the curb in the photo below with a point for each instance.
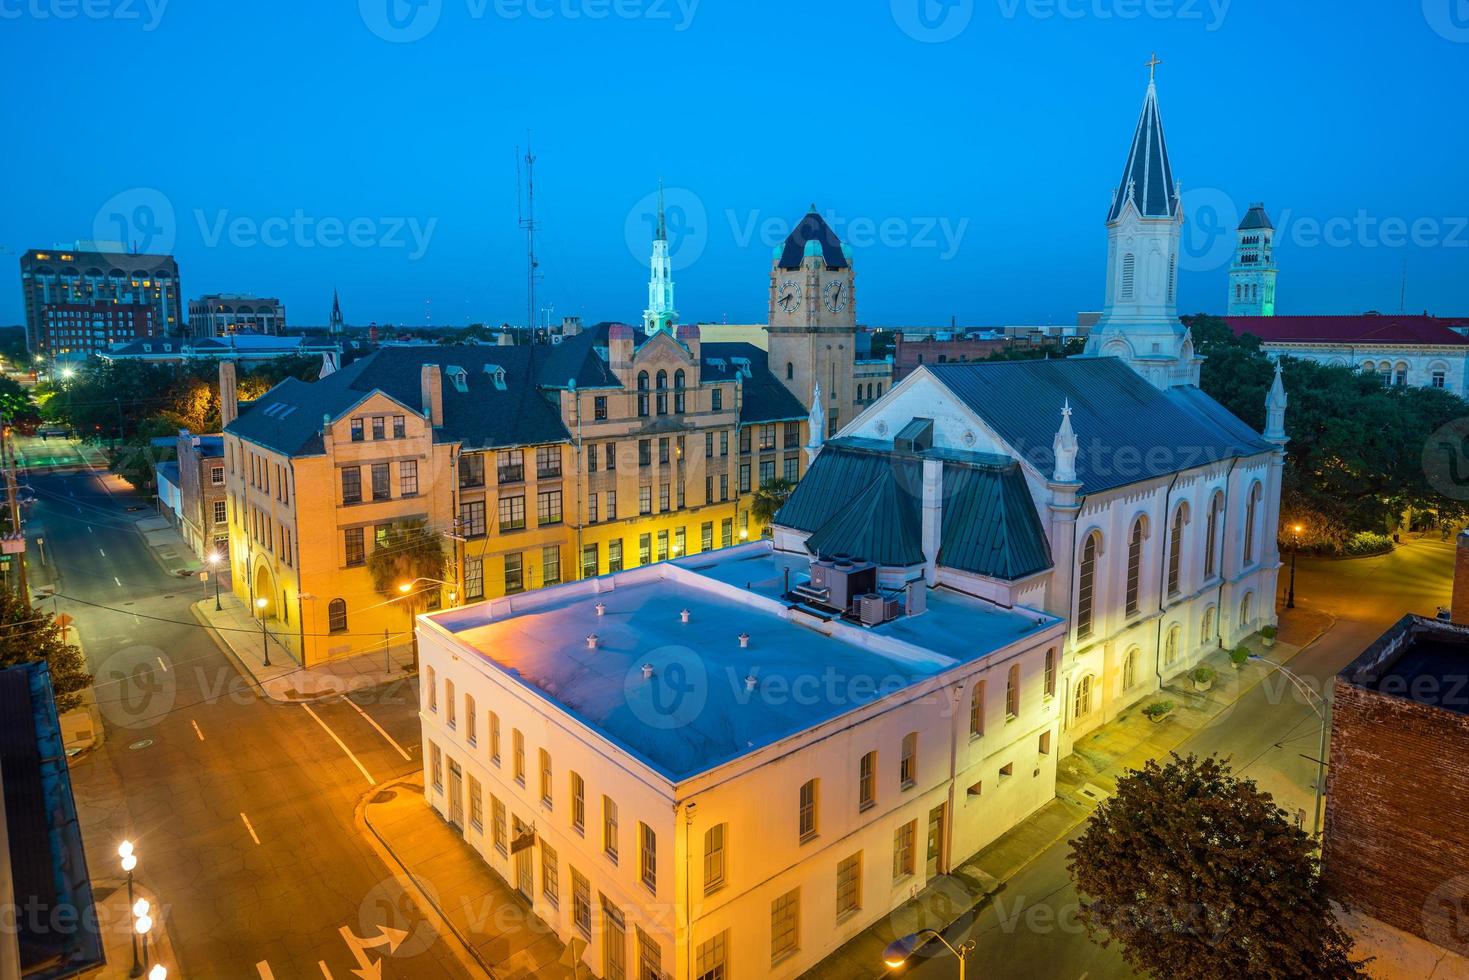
(467, 955)
(230, 655)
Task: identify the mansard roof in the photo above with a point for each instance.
(813, 236)
(1147, 178)
(1127, 429)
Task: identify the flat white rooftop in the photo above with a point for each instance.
(695, 711)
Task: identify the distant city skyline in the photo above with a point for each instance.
(384, 165)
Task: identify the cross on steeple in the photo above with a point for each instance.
(1152, 66)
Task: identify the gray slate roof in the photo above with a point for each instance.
(812, 229)
(1128, 430)
(1256, 218)
(1147, 177)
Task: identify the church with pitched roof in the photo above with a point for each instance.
(1106, 488)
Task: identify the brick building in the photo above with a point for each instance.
(203, 520)
(1394, 844)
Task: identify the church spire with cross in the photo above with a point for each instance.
(1139, 322)
(660, 314)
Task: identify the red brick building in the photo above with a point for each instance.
(909, 354)
(1395, 845)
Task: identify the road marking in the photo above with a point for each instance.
(117, 580)
(324, 971)
(196, 729)
(160, 661)
(249, 828)
(341, 745)
(263, 968)
(379, 728)
(101, 552)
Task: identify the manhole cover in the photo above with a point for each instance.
(168, 597)
(141, 743)
(1094, 793)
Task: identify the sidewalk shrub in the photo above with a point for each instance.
(1158, 709)
(1239, 656)
(1198, 875)
(1269, 632)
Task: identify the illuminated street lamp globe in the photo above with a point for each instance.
(129, 862)
(159, 972)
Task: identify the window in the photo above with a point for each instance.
(867, 782)
(785, 925)
(399, 427)
(408, 478)
(903, 839)
(1251, 512)
(609, 828)
(548, 462)
(614, 942)
(611, 505)
(645, 548)
(642, 394)
(436, 766)
(476, 805)
(589, 561)
(1206, 632)
(451, 706)
(716, 399)
(767, 471)
(1438, 377)
(908, 764)
(726, 528)
(545, 777)
(767, 437)
(1244, 609)
(471, 722)
(1129, 669)
(356, 551)
(1129, 271)
(1082, 704)
(550, 879)
(474, 578)
(578, 803)
(1170, 645)
(1012, 692)
(645, 499)
(614, 555)
(791, 471)
(351, 485)
(849, 885)
(592, 457)
(599, 408)
(216, 473)
(662, 393)
(472, 518)
(1050, 687)
(220, 517)
(381, 490)
(745, 477)
(650, 957)
(551, 564)
(724, 442)
(494, 738)
(379, 427)
(517, 749)
(1134, 565)
(976, 710)
(548, 508)
(514, 574)
(714, 858)
(678, 392)
(1211, 533)
(1086, 585)
(356, 430)
(512, 513)
(510, 466)
(1175, 548)
(706, 536)
(1007, 770)
(648, 857)
(663, 498)
(497, 824)
(663, 451)
(662, 545)
(581, 903)
(1045, 743)
(806, 811)
(792, 435)
(336, 616)
(711, 958)
(471, 470)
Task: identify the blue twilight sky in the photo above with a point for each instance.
(967, 148)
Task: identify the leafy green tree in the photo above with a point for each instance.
(1198, 875)
(770, 498)
(16, 403)
(32, 636)
(409, 550)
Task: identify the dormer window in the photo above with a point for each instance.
(458, 377)
(496, 375)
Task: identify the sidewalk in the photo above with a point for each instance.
(238, 634)
(169, 547)
(115, 921)
(1084, 780)
(483, 913)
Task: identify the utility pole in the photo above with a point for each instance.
(12, 486)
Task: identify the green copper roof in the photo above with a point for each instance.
(881, 524)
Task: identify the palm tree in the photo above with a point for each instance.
(770, 498)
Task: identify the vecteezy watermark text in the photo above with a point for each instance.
(306, 231)
(148, 12)
(930, 232)
(404, 21)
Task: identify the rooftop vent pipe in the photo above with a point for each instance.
(592, 639)
(744, 640)
(647, 672)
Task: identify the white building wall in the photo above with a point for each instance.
(757, 798)
(1418, 363)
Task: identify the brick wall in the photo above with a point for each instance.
(1397, 813)
(1460, 601)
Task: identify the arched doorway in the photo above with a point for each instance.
(264, 583)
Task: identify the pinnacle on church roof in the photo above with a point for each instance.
(1065, 448)
(662, 235)
(1276, 398)
(1147, 179)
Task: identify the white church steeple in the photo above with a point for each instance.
(660, 314)
(1139, 322)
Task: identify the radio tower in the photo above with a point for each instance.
(526, 210)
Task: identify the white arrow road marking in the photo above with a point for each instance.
(249, 828)
(196, 729)
(119, 585)
(324, 971)
(101, 552)
(367, 968)
(379, 728)
(163, 665)
(341, 745)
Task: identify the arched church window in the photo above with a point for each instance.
(1400, 374)
(336, 616)
(1129, 274)
(1082, 706)
(1244, 609)
(678, 383)
(1252, 508)
(790, 370)
(1087, 584)
(1175, 548)
(642, 381)
(1170, 645)
(662, 392)
(1129, 670)
(642, 394)
(1206, 632)
(1211, 535)
(1135, 564)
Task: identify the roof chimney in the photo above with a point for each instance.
(933, 517)
(229, 394)
(431, 383)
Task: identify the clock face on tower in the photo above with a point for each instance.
(836, 295)
(788, 296)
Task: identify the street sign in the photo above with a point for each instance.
(526, 840)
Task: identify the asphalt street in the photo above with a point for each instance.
(241, 809)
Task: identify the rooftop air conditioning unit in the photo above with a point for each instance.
(873, 609)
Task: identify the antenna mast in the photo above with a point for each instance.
(526, 212)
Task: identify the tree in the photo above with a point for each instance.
(1198, 875)
(407, 551)
(770, 498)
(33, 636)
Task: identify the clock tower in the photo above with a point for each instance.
(813, 319)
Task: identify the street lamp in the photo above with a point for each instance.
(899, 950)
(159, 972)
(264, 637)
(405, 588)
(129, 862)
(141, 924)
(215, 560)
(1311, 699)
(1290, 595)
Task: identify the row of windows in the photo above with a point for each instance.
(379, 426)
(509, 466)
(382, 480)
